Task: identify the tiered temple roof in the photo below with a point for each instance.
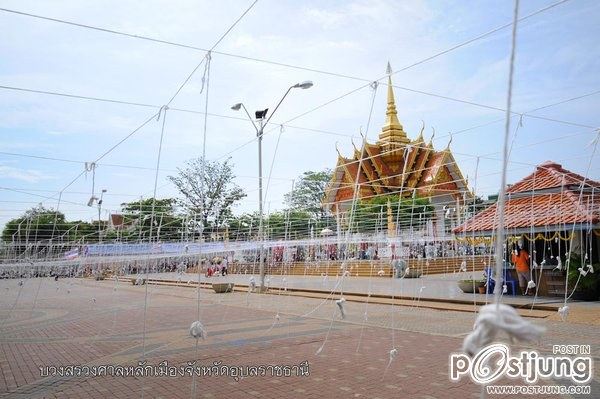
(395, 164)
(551, 198)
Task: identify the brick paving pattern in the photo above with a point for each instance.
(45, 323)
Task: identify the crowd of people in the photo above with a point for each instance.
(216, 266)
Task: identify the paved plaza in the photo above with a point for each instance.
(85, 322)
(435, 286)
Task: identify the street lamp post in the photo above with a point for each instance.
(99, 221)
(260, 118)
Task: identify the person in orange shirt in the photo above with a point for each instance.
(520, 258)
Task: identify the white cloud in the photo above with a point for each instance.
(26, 175)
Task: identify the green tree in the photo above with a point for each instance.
(138, 220)
(288, 224)
(243, 227)
(371, 214)
(216, 181)
(36, 224)
(291, 224)
(81, 231)
(39, 232)
(309, 192)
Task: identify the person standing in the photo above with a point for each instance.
(520, 258)
(224, 267)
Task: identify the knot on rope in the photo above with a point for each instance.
(206, 67)
(563, 312)
(393, 354)
(521, 120)
(374, 85)
(559, 265)
(340, 304)
(530, 285)
(161, 111)
(495, 318)
(89, 166)
(197, 330)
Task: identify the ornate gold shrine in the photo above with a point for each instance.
(395, 164)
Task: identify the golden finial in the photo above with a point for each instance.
(420, 138)
(357, 153)
(432, 136)
(338, 150)
(449, 142)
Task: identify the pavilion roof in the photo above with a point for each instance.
(550, 197)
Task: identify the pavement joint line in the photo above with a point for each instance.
(428, 303)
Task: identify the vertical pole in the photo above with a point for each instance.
(261, 265)
(99, 222)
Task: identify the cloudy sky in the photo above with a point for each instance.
(558, 58)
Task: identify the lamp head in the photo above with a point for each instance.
(237, 107)
(91, 201)
(307, 84)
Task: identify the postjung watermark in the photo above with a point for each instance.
(570, 362)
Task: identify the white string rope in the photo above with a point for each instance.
(146, 266)
(197, 326)
(341, 301)
(501, 317)
(565, 308)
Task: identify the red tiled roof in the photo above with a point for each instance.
(549, 175)
(564, 206)
(116, 219)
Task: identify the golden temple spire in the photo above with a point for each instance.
(392, 130)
